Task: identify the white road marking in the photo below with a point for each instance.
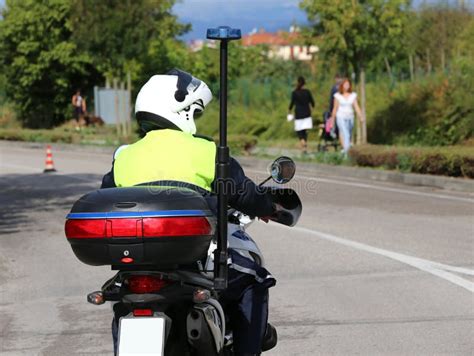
(460, 270)
(434, 268)
(388, 189)
(376, 187)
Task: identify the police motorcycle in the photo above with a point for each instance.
(171, 252)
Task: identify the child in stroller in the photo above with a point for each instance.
(328, 135)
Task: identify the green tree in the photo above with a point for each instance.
(357, 32)
(136, 36)
(40, 63)
(49, 48)
(434, 30)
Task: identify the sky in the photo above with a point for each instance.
(271, 15)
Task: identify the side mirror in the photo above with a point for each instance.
(282, 170)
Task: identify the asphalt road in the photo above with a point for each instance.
(371, 269)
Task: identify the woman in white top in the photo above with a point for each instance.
(345, 107)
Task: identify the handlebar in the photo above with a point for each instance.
(288, 206)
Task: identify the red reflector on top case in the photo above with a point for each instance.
(85, 228)
(127, 260)
(176, 226)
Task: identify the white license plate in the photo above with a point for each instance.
(140, 336)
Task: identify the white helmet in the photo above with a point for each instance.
(171, 101)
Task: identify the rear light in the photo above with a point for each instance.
(176, 226)
(85, 228)
(138, 227)
(145, 284)
(142, 312)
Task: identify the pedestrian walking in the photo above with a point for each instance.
(343, 113)
(302, 101)
(79, 105)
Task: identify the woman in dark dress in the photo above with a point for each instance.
(302, 100)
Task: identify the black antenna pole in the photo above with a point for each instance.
(223, 34)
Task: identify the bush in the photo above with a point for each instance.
(455, 161)
(432, 112)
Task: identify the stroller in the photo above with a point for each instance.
(327, 136)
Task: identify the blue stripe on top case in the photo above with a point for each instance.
(138, 214)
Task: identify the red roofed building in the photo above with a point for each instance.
(282, 44)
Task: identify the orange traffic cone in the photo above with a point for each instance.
(49, 161)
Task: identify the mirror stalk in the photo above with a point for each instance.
(266, 180)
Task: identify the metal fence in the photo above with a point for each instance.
(112, 105)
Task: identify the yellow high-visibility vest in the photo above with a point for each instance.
(166, 155)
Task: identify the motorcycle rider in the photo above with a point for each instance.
(165, 109)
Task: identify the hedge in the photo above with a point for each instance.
(105, 137)
(38, 136)
(455, 161)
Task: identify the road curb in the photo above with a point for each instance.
(315, 169)
(413, 179)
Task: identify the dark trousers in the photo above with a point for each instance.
(246, 304)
